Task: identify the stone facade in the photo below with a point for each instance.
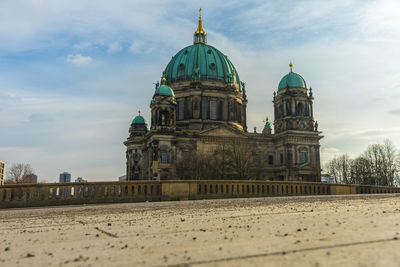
(198, 112)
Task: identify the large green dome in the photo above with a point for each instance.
(292, 80)
(201, 62)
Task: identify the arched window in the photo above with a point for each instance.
(289, 108)
(300, 109)
(307, 110)
(164, 117)
(270, 160)
(188, 109)
(164, 157)
(220, 112)
(213, 109)
(181, 110)
(204, 109)
(303, 157)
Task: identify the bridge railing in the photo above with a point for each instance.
(33, 195)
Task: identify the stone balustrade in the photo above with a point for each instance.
(34, 195)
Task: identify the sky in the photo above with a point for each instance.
(74, 73)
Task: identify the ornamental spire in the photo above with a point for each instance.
(291, 66)
(200, 36)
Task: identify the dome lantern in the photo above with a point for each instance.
(200, 36)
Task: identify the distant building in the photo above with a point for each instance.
(80, 180)
(327, 179)
(122, 178)
(32, 178)
(65, 177)
(2, 171)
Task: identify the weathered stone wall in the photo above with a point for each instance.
(34, 195)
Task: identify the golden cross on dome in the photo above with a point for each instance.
(200, 13)
(290, 65)
(139, 111)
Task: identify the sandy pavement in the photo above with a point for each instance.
(362, 230)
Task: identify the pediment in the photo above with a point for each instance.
(223, 131)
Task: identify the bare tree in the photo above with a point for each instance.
(384, 163)
(378, 165)
(391, 167)
(397, 175)
(221, 158)
(229, 160)
(197, 165)
(339, 168)
(19, 173)
(361, 171)
(239, 158)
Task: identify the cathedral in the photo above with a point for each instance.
(200, 103)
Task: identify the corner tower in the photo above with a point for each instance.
(163, 107)
(293, 104)
(296, 132)
(134, 151)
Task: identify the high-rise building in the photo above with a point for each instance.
(65, 177)
(2, 171)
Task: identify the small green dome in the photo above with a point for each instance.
(201, 62)
(268, 126)
(164, 90)
(139, 120)
(292, 80)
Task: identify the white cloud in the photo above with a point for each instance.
(79, 60)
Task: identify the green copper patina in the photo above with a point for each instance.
(201, 62)
(164, 90)
(139, 120)
(292, 80)
(268, 126)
